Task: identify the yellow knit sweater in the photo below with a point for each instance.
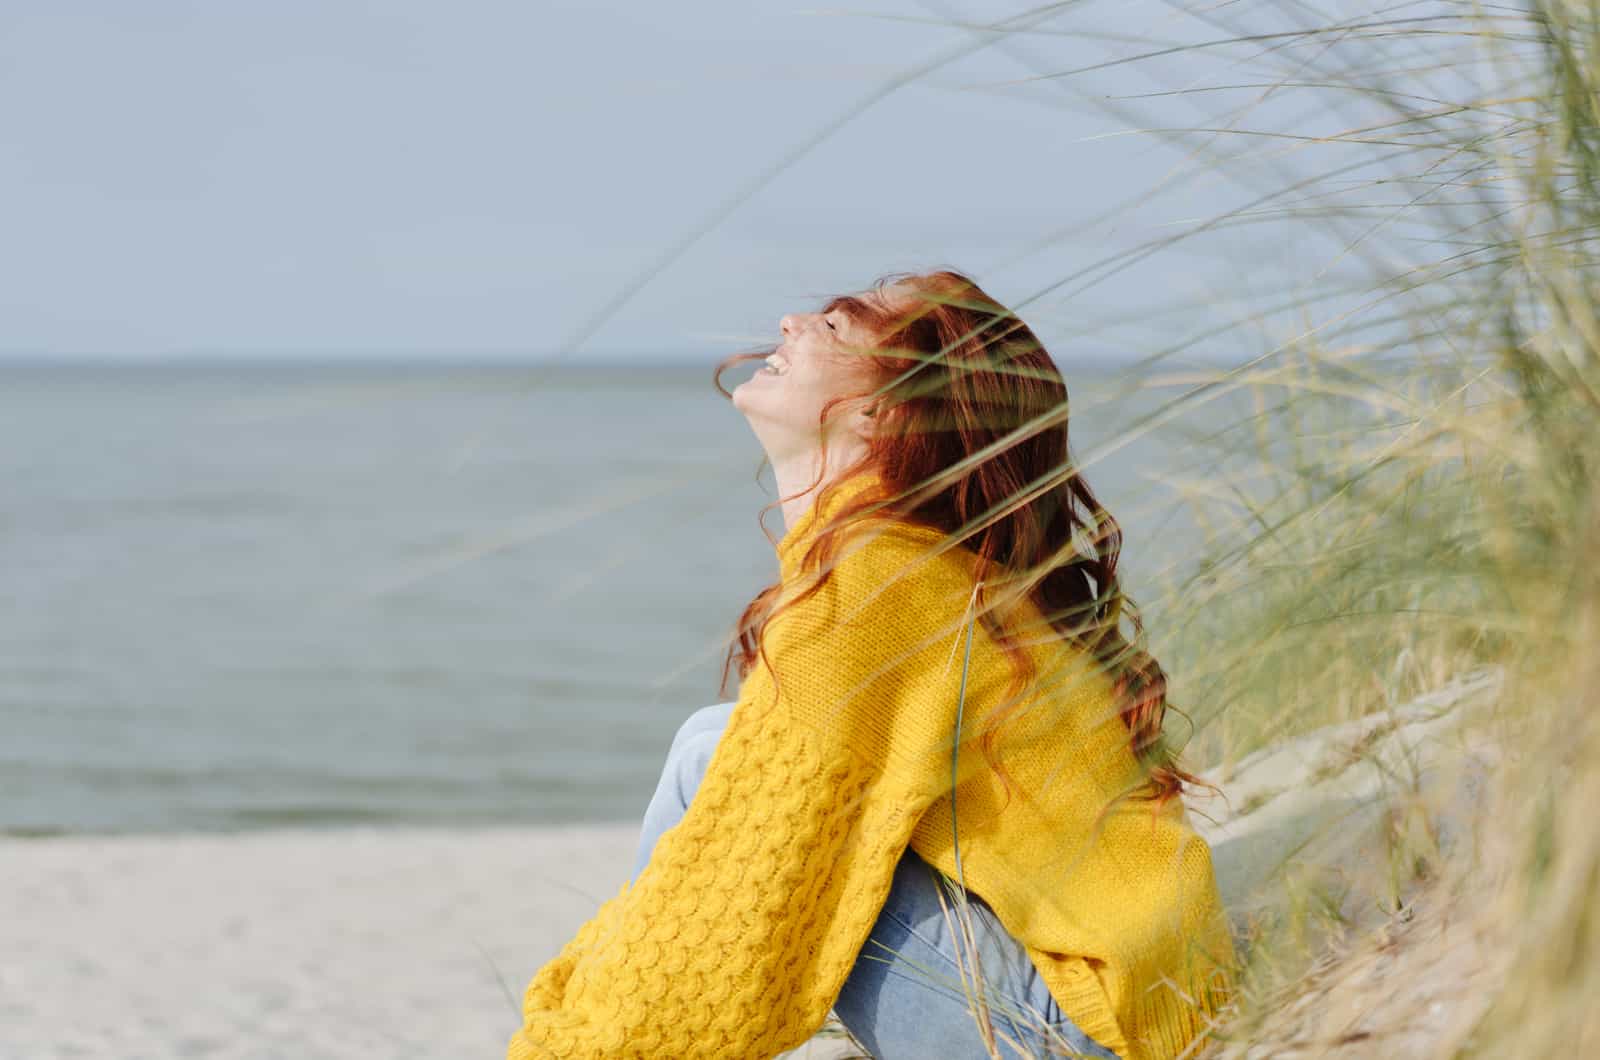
(738, 935)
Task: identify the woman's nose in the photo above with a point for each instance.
(788, 323)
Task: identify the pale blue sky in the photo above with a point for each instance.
(485, 178)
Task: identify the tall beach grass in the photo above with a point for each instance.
(1407, 495)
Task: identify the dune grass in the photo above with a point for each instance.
(1408, 494)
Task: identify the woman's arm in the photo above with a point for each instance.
(738, 935)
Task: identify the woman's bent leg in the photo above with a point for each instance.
(686, 764)
(904, 996)
(907, 995)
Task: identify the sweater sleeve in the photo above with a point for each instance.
(738, 935)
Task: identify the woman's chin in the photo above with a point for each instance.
(748, 398)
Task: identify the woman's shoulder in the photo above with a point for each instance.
(895, 548)
(885, 572)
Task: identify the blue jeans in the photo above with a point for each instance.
(904, 997)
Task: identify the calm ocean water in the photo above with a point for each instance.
(245, 596)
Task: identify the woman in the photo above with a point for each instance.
(934, 696)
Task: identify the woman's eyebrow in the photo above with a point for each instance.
(853, 307)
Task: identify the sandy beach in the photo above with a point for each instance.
(418, 943)
(303, 944)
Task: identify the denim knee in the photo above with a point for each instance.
(707, 719)
(688, 761)
(692, 747)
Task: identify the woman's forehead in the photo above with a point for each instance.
(874, 308)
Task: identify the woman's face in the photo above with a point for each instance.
(822, 356)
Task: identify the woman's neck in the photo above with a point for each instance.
(797, 473)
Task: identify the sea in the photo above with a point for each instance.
(259, 594)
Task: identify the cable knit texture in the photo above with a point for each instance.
(738, 935)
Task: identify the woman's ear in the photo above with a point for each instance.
(865, 420)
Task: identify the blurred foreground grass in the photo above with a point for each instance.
(1412, 498)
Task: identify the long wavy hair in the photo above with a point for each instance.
(972, 441)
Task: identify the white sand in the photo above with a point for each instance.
(292, 944)
(415, 943)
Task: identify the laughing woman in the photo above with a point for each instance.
(936, 706)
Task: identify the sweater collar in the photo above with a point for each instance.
(822, 509)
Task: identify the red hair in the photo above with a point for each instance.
(972, 441)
